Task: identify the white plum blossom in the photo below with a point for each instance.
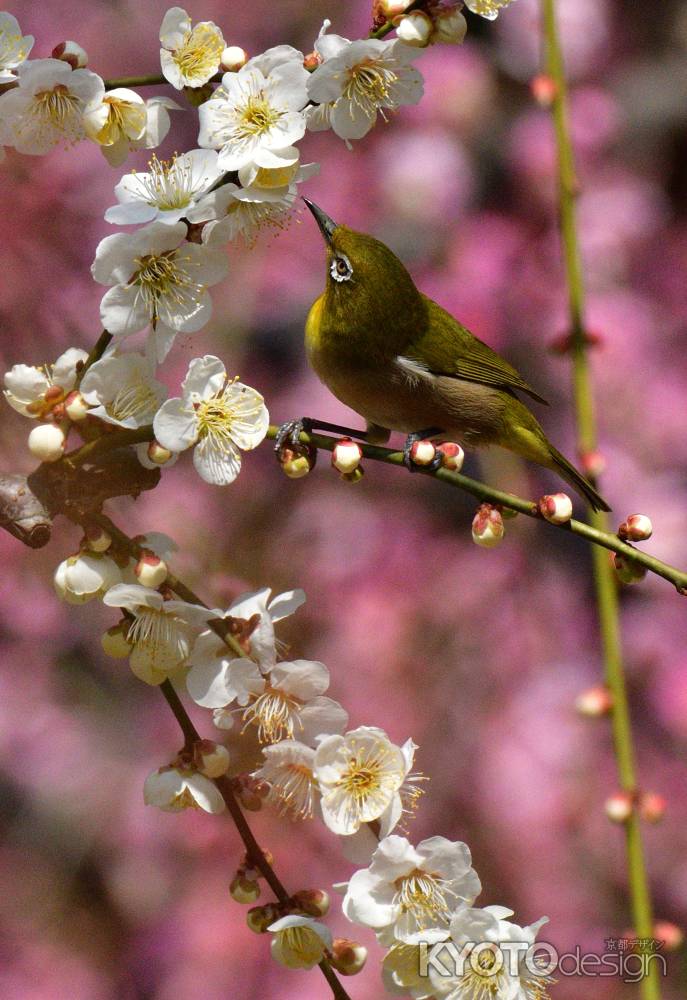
(359, 776)
(14, 47)
(288, 770)
(401, 970)
(358, 80)
(161, 631)
(413, 890)
(173, 789)
(487, 8)
(167, 191)
(157, 278)
(121, 389)
(82, 577)
(495, 966)
(299, 941)
(258, 108)
(34, 391)
(214, 416)
(121, 122)
(288, 703)
(190, 54)
(47, 107)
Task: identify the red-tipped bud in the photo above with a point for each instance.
(452, 455)
(415, 29)
(157, 454)
(115, 642)
(233, 58)
(72, 53)
(244, 890)
(75, 407)
(593, 464)
(259, 918)
(670, 934)
(97, 539)
(348, 957)
(487, 526)
(211, 759)
(46, 442)
(628, 570)
(556, 508)
(619, 807)
(150, 570)
(637, 528)
(313, 902)
(346, 455)
(422, 452)
(543, 89)
(595, 702)
(652, 807)
(297, 464)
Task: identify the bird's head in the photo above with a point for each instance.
(366, 282)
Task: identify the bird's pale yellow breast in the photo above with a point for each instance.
(313, 325)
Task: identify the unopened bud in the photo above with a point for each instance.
(346, 455)
(157, 454)
(619, 807)
(244, 890)
(97, 539)
(311, 61)
(595, 702)
(670, 934)
(450, 27)
(150, 570)
(115, 642)
(556, 508)
(652, 807)
(259, 918)
(75, 407)
(393, 8)
(297, 464)
(72, 53)
(223, 718)
(628, 570)
(415, 29)
(452, 455)
(314, 902)
(487, 526)
(593, 463)
(348, 957)
(544, 90)
(212, 758)
(46, 442)
(637, 528)
(422, 452)
(233, 58)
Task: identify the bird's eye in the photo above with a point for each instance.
(340, 268)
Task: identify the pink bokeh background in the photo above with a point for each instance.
(477, 654)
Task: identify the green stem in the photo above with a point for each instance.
(605, 584)
(149, 80)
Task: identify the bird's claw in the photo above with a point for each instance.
(410, 463)
(289, 436)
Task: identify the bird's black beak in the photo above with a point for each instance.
(327, 225)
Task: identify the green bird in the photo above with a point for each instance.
(405, 364)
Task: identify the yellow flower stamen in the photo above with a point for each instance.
(200, 52)
(275, 714)
(369, 87)
(425, 897)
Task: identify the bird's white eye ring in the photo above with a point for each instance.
(340, 268)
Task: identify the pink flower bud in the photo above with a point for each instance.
(619, 807)
(244, 890)
(233, 58)
(97, 539)
(212, 759)
(115, 642)
(670, 934)
(452, 455)
(348, 957)
(543, 89)
(46, 442)
(157, 454)
(652, 807)
(487, 526)
(628, 570)
(346, 455)
(595, 702)
(556, 508)
(593, 463)
(422, 452)
(313, 902)
(415, 29)
(72, 53)
(637, 528)
(76, 407)
(150, 570)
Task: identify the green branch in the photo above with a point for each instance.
(605, 584)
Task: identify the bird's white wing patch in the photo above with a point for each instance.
(413, 370)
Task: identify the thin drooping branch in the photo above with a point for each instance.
(605, 584)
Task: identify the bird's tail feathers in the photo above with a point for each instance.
(568, 471)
